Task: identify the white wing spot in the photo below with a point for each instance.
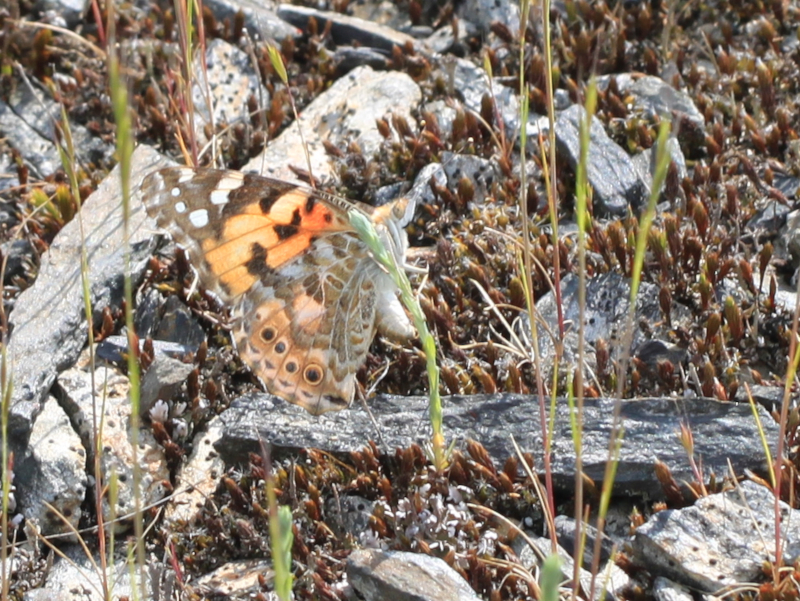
(199, 218)
(180, 207)
(219, 197)
(176, 191)
(186, 175)
(231, 181)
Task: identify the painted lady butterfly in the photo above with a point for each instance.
(306, 296)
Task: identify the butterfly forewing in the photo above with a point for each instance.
(237, 227)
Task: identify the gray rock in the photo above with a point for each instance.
(348, 515)
(347, 58)
(421, 192)
(387, 14)
(400, 576)
(650, 426)
(162, 380)
(114, 348)
(788, 185)
(485, 12)
(652, 352)
(69, 12)
(610, 580)
(76, 577)
(20, 258)
(605, 318)
(769, 218)
(790, 236)
(230, 79)
(48, 327)
(54, 473)
(345, 29)
(609, 169)
(111, 390)
(38, 153)
(446, 41)
(197, 478)
(722, 540)
(345, 113)
(9, 214)
(419, 32)
(645, 163)
(653, 96)
(481, 172)
(260, 21)
(770, 397)
(566, 531)
(561, 99)
(8, 179)
(179, 325)
(472, 82)
(656, 97)
(666, 590)
(445, 115)
(618, 520)
(388, 193)
(28, 121)
(146, 319)
(235, 580)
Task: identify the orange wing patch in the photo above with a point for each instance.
(253, 241)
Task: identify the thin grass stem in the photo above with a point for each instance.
(526, 262)
(575, 396)
(124, 142)
(368, 234)
(66, 150)
(6, 467)
(777, 469)
(617, 430)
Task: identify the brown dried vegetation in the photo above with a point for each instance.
(745, 85)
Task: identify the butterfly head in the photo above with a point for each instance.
(390, 222)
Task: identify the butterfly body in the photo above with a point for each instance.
(306, 296)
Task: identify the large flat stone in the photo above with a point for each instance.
(722, 432)
(48, 324)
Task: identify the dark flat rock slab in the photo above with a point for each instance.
(345, 29)
(722, 432)
(259, 19)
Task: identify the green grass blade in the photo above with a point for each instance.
(550, 578)
(282, 538)
(368, 234)
(122, 116)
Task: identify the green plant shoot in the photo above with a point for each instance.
(550, 578)
(282, 538)
(367, 233)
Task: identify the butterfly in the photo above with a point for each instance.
(306, 295)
